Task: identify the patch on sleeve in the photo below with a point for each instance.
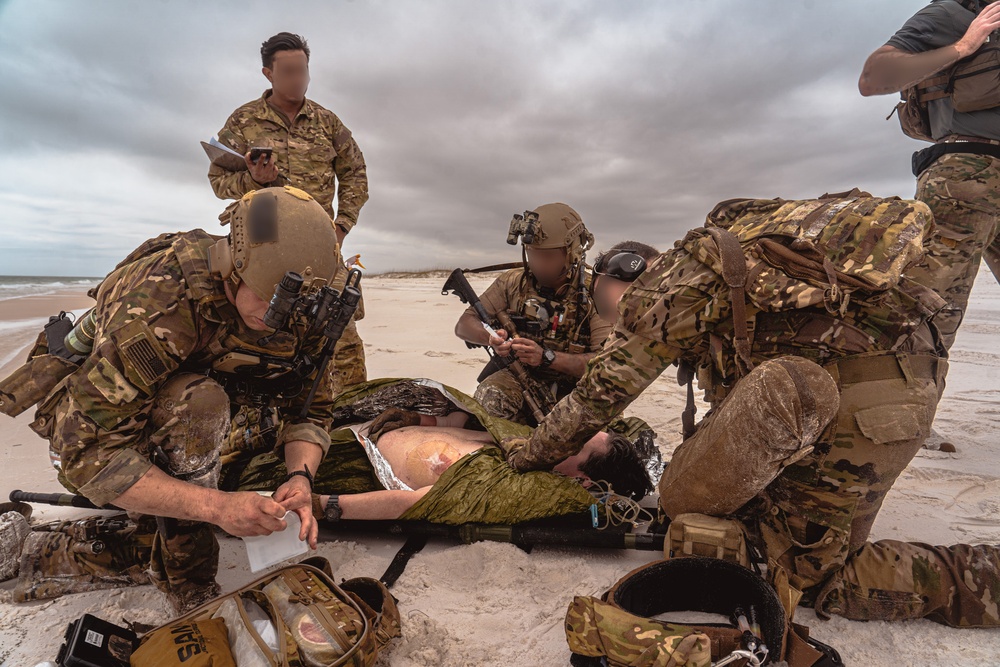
(111, 383)
(143, 359)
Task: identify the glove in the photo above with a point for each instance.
(390, 420)
(514, 448)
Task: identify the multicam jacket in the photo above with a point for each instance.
(313, 152)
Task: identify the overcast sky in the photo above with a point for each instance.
(641, 115)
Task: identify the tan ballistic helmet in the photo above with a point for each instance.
(272, 231)
(559, 226)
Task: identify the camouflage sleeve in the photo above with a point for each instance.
(231, 184)
(352, 178)
(146, 328)
(600, 328)
(658, 322)
(498, 296)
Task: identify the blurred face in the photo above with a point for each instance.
(571, 466)
(250, 307)
(289, 74)
(548, 265)
(608, 292)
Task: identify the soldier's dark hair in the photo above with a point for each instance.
(647, 252)
(623, 466)
(283, 41)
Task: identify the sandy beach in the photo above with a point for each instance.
(493, 604)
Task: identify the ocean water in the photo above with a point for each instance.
(15, 334)
(14, 287)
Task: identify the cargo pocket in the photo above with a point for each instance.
(855, 602)
(890, 424)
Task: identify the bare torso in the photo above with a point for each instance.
(419, 455)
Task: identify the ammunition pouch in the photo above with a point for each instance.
(708, 536)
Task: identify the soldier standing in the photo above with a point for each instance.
(802, 448)
(958, 177)
(311, 150)
(141, 420)
(558, 330)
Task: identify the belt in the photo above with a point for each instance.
(961, 138)
(954, 144)
(852, 370)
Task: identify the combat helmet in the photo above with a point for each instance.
(272, 231)
(553, 226)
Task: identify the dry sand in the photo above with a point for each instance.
(492, 604)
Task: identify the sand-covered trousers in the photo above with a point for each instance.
(963, 192)
(188, 422)
(818, 449)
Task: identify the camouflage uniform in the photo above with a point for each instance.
(143, 398)
(517, 293)
(962, 189)
(315, 153)
(803, 448)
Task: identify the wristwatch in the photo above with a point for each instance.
(303, 473)
(333, 512)
(548, 356)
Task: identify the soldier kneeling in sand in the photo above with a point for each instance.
(140, 420)
(823, 367)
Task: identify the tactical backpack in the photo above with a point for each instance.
(315, 623)
(777, 255)
(973, 84)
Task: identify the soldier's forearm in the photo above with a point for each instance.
(470, 329)
(158, 494)
(889, 70)
(303, 455)
(378, 505)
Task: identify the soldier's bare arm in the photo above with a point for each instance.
(529, 352)
(377, 505)
(241, 514)
(470, 329)
(890, 70)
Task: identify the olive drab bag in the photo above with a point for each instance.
(295, 616)
(973, 84)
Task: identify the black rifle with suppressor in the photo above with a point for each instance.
(538, 400)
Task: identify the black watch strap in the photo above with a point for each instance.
(333, 512)
(304, 473)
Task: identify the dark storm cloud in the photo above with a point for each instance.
(641, 115)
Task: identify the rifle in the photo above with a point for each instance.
(538, 400)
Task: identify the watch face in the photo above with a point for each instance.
(549, 356)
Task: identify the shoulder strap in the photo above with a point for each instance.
(734, 273)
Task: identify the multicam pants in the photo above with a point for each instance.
(502, 396)
(963, 192)
(817, 450)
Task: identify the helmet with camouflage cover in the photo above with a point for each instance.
(553, 226)
(272, 231)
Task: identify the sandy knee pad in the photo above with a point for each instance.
(191, 419)
(818, 395)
